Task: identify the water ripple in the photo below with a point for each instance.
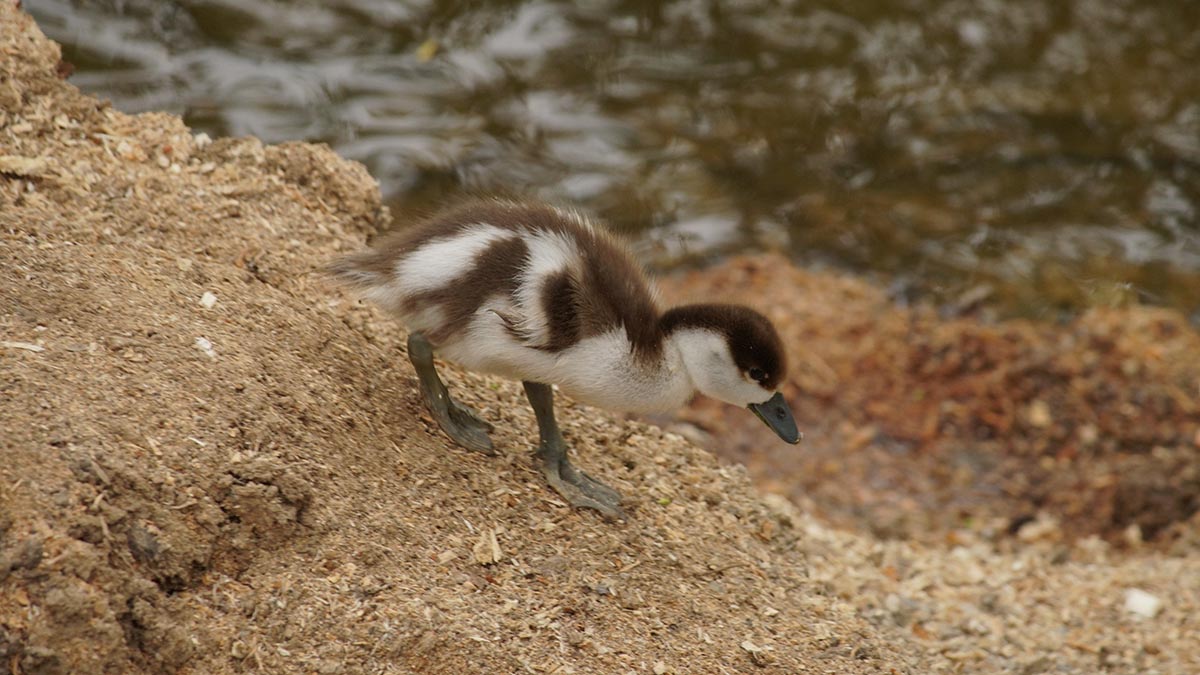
(881, 138)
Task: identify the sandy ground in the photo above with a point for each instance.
(213, 462)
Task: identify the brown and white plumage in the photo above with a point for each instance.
(539, 293)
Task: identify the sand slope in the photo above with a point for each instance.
(255, 485)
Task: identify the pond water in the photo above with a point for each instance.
(1035, 157)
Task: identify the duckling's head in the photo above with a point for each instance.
(733, 354)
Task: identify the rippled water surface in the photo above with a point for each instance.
(1032, 156)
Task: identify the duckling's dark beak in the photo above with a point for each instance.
(775, 412)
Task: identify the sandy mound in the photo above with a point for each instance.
(246, 480)
(213, 463)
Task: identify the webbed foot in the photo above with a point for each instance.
(578, 488)
(459, 422)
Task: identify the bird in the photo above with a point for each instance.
(545, 294)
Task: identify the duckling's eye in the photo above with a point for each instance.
(758, 375)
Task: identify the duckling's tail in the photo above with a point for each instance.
(363, 270)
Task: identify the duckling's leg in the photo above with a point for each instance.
(456, 419)
(575, 486)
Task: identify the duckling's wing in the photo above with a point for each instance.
(579, 283)
(561, 303)
(544, 311)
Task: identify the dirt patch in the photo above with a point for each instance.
(213, 463)
(921, 425)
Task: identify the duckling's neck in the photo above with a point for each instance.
(623, 370)
(666, 373)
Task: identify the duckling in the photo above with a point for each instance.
(545, 295)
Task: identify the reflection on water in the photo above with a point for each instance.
(1035, 156)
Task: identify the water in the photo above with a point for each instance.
(1040, 158)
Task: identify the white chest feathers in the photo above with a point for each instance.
(605, 372)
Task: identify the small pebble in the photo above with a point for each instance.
(208, 300)
(973, 33)
(1039, 414)
(1141, 603)
(205, 346)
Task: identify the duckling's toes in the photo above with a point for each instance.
(467, 417)
(580, 489)
(580, 499)
(602, 493)
(590, 486)
(471, 438)
(465, 428)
